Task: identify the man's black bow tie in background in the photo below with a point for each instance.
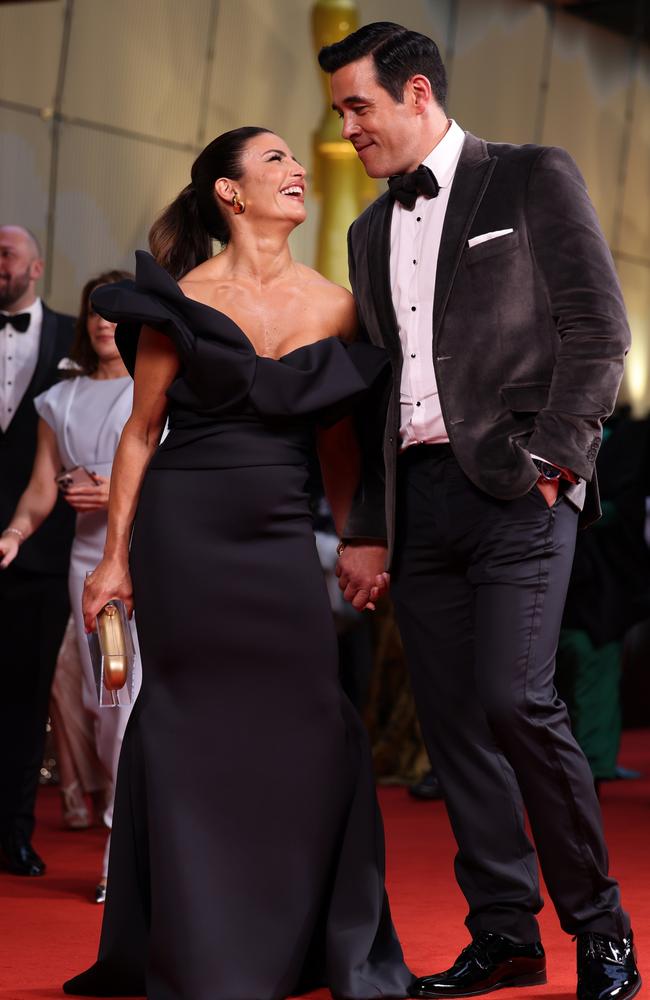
(406, 187)
(20, 321)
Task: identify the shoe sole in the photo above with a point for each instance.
(536, 979)
(639, 984)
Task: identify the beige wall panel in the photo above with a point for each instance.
(138, 65)
(635, 223)
(24, 170)
(31, 39)
(585, 112)
(635, 279)
(431, 17)
(497, 67)
(265, 71)
(109, 191)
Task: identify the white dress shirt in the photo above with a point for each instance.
(414, 245)
(18, 357)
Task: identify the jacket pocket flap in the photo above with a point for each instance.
(526, 398)
(490, 248)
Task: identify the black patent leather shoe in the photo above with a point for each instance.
(607, 967)
(19, 857)
(490, 962)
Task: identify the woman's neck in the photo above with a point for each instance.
(262, 259)
(112, 368)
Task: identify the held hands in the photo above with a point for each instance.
(361, 570)
(108, 580)
(89, 497)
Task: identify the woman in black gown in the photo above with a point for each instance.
(247, 860)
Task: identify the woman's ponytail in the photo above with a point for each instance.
(181, 237)
(178, 239)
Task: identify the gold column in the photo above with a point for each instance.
(339, 178)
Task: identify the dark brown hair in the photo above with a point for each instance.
(398, 54)
(181, 237)
(83, 352)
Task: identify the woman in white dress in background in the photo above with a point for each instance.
(81, 420)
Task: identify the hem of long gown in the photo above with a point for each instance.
(87, 984)
(95, 982)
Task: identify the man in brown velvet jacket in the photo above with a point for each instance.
(485, 275)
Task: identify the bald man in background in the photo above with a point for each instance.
(34, 604)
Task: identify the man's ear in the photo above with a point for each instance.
(36, 268)
(418, 91)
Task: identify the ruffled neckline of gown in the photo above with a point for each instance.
(148, 270)
(220, 366)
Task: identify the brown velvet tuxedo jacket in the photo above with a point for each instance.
(528, 331)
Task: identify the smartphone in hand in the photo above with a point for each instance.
(78, 476)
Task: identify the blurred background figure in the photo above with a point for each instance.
(353, 628)
(81, 421)
(34, 603)
(81, 773)
(373, 673)
(609, 593)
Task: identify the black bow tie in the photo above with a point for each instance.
(406, 187)
(20, 321)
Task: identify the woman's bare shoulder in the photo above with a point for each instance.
(337, 302)
(195, 283)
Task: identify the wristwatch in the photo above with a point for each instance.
(546, 470)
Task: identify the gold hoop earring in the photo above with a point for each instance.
(238, 206)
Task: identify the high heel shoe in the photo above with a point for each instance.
(75, 810)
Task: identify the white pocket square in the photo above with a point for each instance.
(475, 240)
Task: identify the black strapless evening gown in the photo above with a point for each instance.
(247, 858)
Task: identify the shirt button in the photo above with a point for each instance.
(418, 403)
(415, 261)
(419, 218)
(8, 383)
(412, 309)
(413, 355)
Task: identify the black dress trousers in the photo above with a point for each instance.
(34, 609)
(479, 588)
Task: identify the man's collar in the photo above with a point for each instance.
(35, 310)
(443, 158)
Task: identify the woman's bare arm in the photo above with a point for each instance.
(38, 498)
(156, 366)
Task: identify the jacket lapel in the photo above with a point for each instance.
(46, 355)
(378, 257)
(471, 179)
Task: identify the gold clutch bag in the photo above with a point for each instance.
(112, 652)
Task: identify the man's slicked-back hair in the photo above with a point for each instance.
(398, 54)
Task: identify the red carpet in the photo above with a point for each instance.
(49, 926)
